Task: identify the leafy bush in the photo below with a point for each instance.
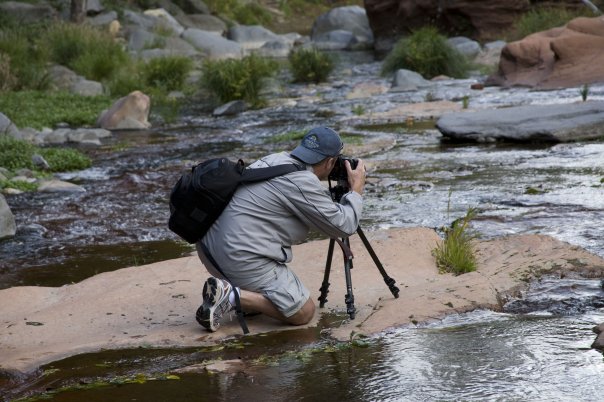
(88, 51)
(310, 65)
(542, 19)
(22, 64)
(65, 159)
(455, 253)
(40, 109)
(233, 79)
(19, 185)
(168, 73)
(427, 52)
(16, 154)
(127, 79)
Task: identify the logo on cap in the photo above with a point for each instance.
(311, 142)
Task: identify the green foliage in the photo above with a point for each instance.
(18, 185)
(65, 159)
(359, 110)
(127, 79)
(465, 101)
(427, 52)
(88, 51)
(294, 135)
(40, 109)
(168, 73)
(242, 12)
(310, 65)
(15, 154)
(455, 254)
(584, 92)
(22, 64)
(542, 19)
(233, 79)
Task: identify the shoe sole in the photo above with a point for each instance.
(205, 313)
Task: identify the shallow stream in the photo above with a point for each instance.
(417, 180)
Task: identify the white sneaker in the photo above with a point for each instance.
(215, 303)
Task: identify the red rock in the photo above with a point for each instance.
(562, 57)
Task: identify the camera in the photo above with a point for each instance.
(339, 174)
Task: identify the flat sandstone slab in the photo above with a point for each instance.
(154, 305)
(542, 123)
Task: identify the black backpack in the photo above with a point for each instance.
(200, 195)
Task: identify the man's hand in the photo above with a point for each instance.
(356, 177)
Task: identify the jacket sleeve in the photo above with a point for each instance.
(311, 202)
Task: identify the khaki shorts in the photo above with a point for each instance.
(280, 285)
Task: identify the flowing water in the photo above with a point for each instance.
(419, 180)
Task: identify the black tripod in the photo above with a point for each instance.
(339, 174)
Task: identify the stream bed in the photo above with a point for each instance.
(417, 180)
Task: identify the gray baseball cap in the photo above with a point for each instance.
(318, 144)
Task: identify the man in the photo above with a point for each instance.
(251, 240)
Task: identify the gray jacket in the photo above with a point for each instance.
(263, 220)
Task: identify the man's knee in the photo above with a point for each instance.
(304, 315)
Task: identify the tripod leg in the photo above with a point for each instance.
(389, 281)
(349, 298)
(325, 285)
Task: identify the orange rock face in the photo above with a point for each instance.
(563, 57)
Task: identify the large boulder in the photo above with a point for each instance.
(8, 227)
(7, 127)
(128, 113)
(351, 19)
(212, 45)
(533, 123)
(482, 20)
(563, 57)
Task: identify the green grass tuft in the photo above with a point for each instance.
(310, 65)
(65, 159)
(426, 52)
(543, 19)
(455, 254)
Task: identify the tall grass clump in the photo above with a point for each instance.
(310, 65)
(542, 19)
(167, 73)
(426, 52)
(455, 254)
(22, 64)
(241, 11)
(86, 50)
(233, 79)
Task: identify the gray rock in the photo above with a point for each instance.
(8, 226)
(27, 13)
(3, 176)
(468, 47)
(546, 123)
(139, 39)
(599, 342)
(407, 80)
(94, 7)
(7, 127)
(84, 136)
(164, 21)
(173, 47)
(194, 7)
(335, 40)
(139, 20)
(213, 45)
(58, 136)
(251, 36)
(274, 49)
(350, 18)
(231, 108)
(28, 134)
(102, 19)
(204, 22)
(39, 162)
(59, 186)
(490, 53)
(86, 87)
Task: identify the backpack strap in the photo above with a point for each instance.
(265, 173)
(237, 299)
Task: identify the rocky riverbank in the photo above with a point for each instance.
(153, 305)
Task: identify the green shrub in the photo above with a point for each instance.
(243, 12)
(455, 253)
(127, 79)
(15, 154)
(542, 19)
(310, 65)
(427, 52)
(65, 159)
(233, 79)
(167, 73)
(19, 185)
(22, 62)
(86, 50)
(40, 109)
